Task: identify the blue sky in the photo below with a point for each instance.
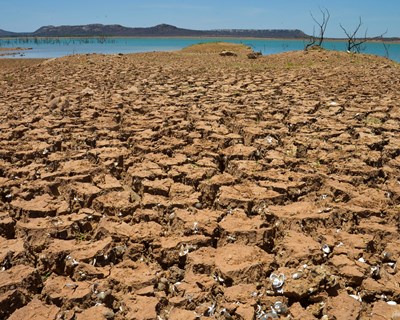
(377, 16)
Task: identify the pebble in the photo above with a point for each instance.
(326, 249)
(198, 205)
(109, 314)
(280, 307)
(297, 275)
(102, 295)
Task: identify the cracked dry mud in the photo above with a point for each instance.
(187, 185)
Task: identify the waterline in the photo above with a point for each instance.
(58, 47)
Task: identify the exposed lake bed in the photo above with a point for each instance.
(186, 185)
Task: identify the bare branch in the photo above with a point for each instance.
(311, 41)
(386, 47)
(322, 24)
(354, 44)
(358, 27)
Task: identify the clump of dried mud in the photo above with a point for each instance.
(193, 186)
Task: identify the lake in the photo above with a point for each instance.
(58, 47)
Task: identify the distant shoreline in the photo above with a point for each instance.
(58, 47)
(110, 31)
(14, 49)
(5, 52)
(372, 40)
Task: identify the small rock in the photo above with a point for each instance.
(133, 89)
(109, 314)
(254, 55)
(198, 205)
(226, 53)
(326, 249)
(87, 92)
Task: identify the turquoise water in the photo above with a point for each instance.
(58, 47)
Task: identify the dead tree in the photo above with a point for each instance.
(322, 24)
(386, 47)
(311, 41)
(354, 44)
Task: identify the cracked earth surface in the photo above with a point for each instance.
(187, 185)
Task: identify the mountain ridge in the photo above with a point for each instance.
(160, 30)
(4, 33)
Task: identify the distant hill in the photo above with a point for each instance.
(4, 33)
(161, 30)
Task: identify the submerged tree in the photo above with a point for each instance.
(386, 47)
(322, 24)
(354, 43)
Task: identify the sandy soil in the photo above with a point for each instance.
(187, 185)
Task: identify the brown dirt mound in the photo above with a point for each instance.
(184, 186)
(217, 47)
